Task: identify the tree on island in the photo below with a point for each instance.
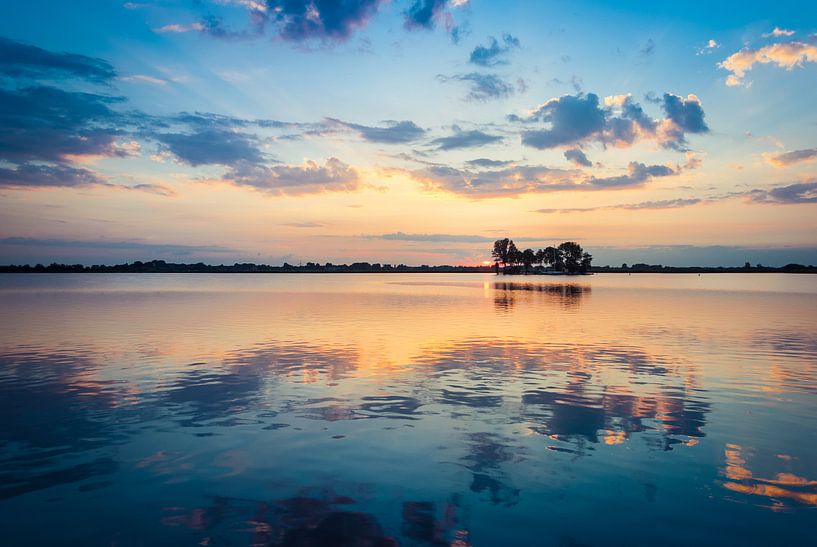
(569, 257)
(500, 252)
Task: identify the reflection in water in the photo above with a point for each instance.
(567, 295)
(784, 487)
(442, 418)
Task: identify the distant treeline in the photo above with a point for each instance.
(746, 268)
(160, 266)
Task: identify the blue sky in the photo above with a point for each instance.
(269, 131)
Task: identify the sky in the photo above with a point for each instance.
(407, 131)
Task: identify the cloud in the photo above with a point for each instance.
(778, 32)
(620, 121)
(482, 87)
(788, 55)
(710, 46)
(19, 60)
(494, 54)
(400, 236)
(303, 20)
(30, 175)
(144, 79)
(485, 162)
(395, 132)
(648, 49)
(787, 159)
(572, 118)
(181, 27)
(212, 146)
(801, 192)
(657, 205)
(424, 13)
(46, 123)
(522, 179)
(577, 157)
(158, 189)
(465, 139)
(333, 176)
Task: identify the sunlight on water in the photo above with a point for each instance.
(417, 409)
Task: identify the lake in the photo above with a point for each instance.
(408, 409)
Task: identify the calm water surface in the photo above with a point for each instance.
(416, 409)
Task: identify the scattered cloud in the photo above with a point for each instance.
(394, 132)
(465, 139)
(425, 14)
(29, 175)
(310, 177)
(788, 55)
(779, 32)
(659, 204)
(20, 60)
(648, 49)
(302, 20)
(494, 53)
(577, 157)
(48, 124)
(801, 192)
(482, 87)
(485, 162)
(619, 121)
(523, 179)
(212, 146)
(400, 236)
(180, 28)
(710, 46)
(787, 159)
(144, 79)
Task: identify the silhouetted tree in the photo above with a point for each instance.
(500, 252)
(573, 256)
(528, 257)
(552, 257)
(539, 257)
(514, 255)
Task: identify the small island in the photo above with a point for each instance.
(567, 259)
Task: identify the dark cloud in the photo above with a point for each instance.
(465, 139)
(29, 175)
(620, 121)
(423, 13)
(46, 123)
(802, 192)
(19, 60)
(494, 53)
(208, 146)
(787, 159)
(485, 162)
(686, 115)
(577, 157)
(637, 174)
(310, 177)
(301, 20)
(482, 87)
(572, 118)
(394, 132)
